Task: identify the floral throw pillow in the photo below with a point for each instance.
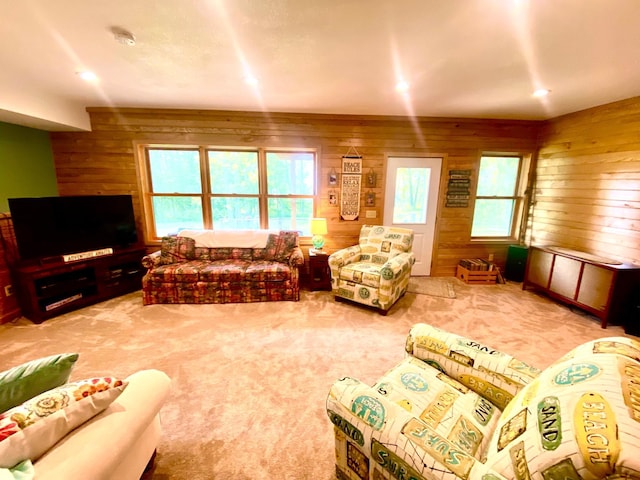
(30, 429)
(177, 250)
(285, 245)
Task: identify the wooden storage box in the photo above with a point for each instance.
(477, 277)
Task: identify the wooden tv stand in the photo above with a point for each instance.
(606, 290)
(48, 289)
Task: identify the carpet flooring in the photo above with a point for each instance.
(249, 381)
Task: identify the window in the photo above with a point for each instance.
(498, 204)
(228, 189)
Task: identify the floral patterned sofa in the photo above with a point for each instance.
(209, 266)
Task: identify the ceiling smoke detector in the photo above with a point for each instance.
(123, 36)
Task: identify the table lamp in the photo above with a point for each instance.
(318, 229)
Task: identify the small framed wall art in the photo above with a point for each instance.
(370, 199)
(333, 178)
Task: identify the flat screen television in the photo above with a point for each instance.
(48, 227)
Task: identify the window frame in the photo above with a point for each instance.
(206, 195)
(518, 198)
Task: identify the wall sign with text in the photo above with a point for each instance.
(351, 179)
(458, 188)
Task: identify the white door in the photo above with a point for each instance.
(411, 201)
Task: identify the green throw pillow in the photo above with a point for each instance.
(25, 381)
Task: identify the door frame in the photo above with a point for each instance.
(439, 202)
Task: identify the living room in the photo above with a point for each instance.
(583, 193)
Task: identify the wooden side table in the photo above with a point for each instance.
(319, 273)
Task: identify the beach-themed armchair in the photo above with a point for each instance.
(455, 408)
(376, 271)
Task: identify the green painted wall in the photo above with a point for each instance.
(26, 164)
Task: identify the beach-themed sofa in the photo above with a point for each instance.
(224, 266)
(103, 427)
(454, 408)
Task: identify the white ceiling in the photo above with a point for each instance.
(462, 58)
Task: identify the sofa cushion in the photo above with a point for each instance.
(177, 249)
(25, 381)
(231, 253)
(28, 430)
(232, 271)
(178, 272)
(266, 271)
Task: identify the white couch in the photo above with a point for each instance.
(118, 443)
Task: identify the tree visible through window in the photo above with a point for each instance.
(497, 201)
(229, 189)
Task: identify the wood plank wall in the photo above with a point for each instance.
(587, 187)
(102, 161)
(9, 309)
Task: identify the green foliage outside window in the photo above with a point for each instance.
(496, 196)
(233, 189)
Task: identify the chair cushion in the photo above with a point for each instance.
(378, 243)
(440, 403)
(364, 273)
(578, 419)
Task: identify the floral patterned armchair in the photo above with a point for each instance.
(376, 271)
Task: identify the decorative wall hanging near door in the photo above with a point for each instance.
(351, 179)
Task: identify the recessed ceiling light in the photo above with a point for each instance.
(402, 86)
(87, 75)
(541, 92)
(251, 80)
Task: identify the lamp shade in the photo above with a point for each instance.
(318, 226)
(318, 229)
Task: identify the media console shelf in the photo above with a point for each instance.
(600, 286)
(50, 289)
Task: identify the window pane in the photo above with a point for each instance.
(233, 172)
(290, 173)
(498, 176)
(237, 213)
(175, 171)
(291, 214)
(173, 213)
(412, 194)
(492, 218)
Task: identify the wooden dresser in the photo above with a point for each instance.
(607, 290)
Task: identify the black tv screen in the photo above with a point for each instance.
(53, 226)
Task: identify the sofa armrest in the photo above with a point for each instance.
(494, 375)
(121, 425)
(345, 256)
(340, 258)
(151, 261)
(395, 267)
(297, 258)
